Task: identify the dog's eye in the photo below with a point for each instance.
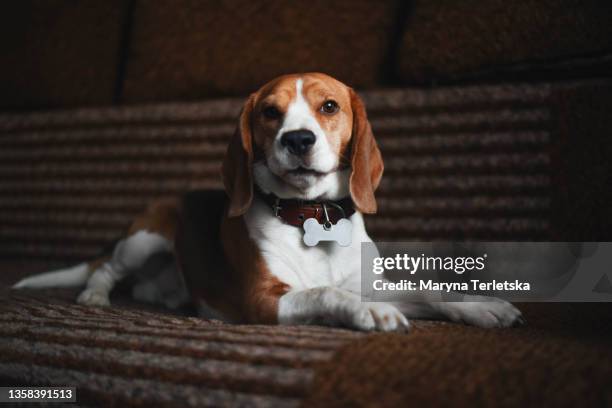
(329, 107)
(271, 112)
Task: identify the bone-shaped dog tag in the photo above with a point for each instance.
(315, 232)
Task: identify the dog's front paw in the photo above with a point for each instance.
(485, 312)
(379, 316)
(91, 297)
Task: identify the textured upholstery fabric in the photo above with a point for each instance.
(489, 162)
(475, 39)
(231, 48)
(59, 53)
(562, 358)
(137, 355)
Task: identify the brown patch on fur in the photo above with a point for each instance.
(319, 88)
(366, 159)
(96, 263)
(278, 93)
(161, 216)
(237, 170)
(260, 290)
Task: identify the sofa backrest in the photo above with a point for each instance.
(481, 162)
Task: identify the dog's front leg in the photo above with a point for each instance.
(333, 306)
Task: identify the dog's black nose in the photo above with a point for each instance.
(298, 142)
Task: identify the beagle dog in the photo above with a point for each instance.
(303, 148)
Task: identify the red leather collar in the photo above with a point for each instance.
(295, 212)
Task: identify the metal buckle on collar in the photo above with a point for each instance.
(328, 224)
(276, 207)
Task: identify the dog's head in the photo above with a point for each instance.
(303, 136)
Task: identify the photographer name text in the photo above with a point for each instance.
(474, 284)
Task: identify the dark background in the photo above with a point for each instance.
(63, 53)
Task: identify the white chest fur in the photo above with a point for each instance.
(300, 266)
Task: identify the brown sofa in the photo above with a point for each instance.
(493, 120)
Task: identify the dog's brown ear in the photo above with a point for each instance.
(366, 160)
(238, 164)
